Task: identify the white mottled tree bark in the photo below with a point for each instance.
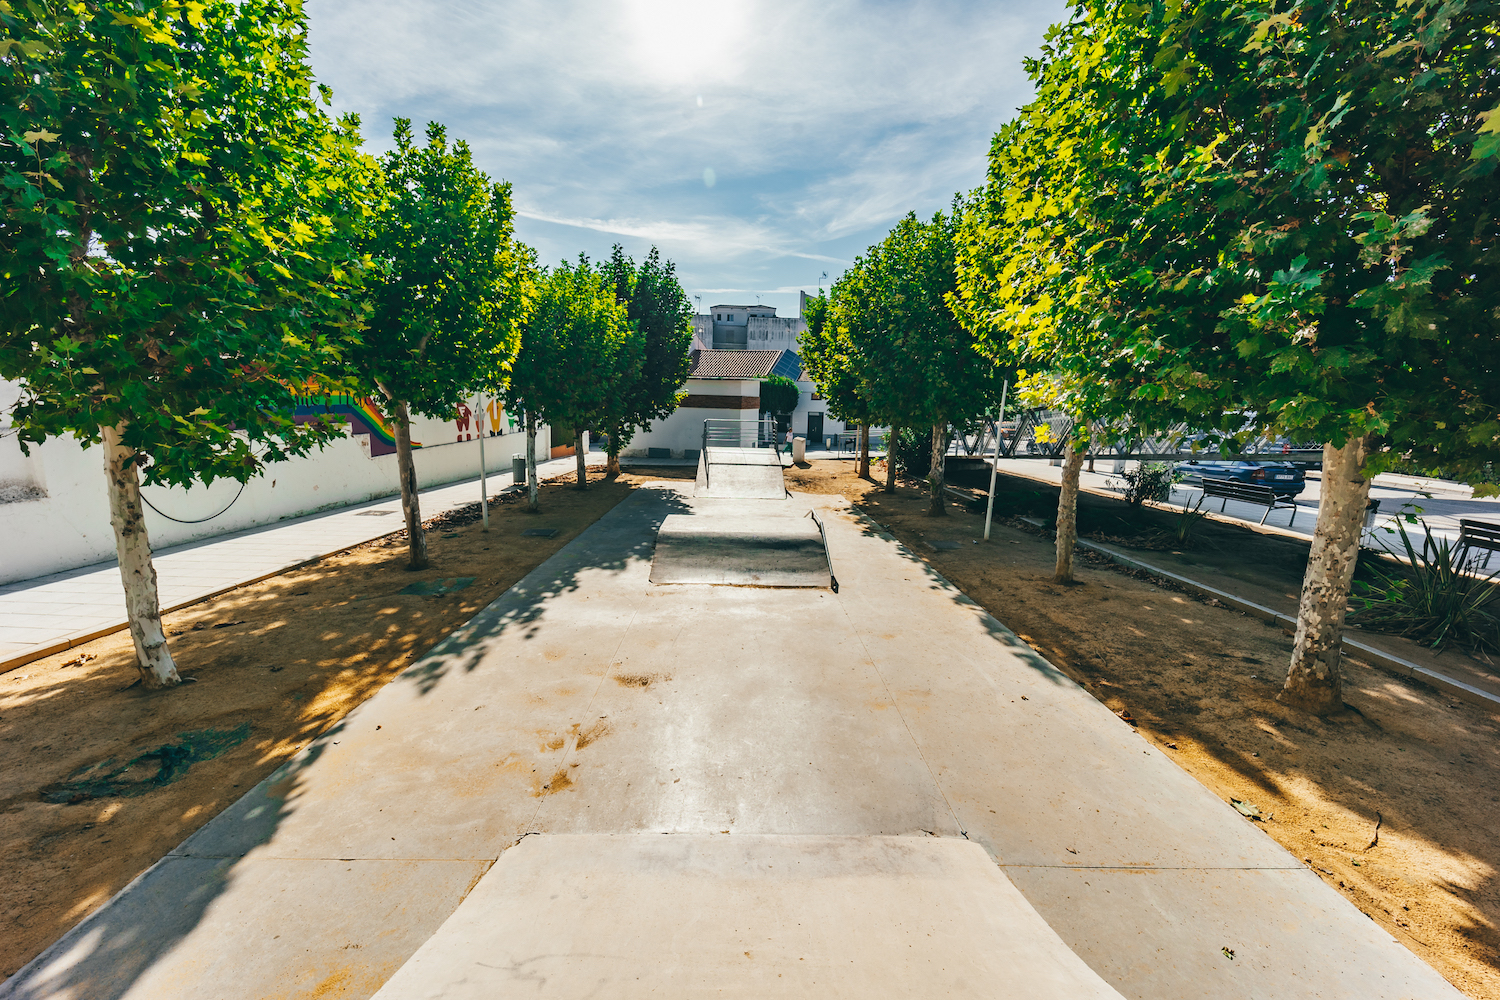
(583, 461)
(937, 503)
(1067, 513)
(142, 603)
(1313, 681)
(406, 470)
(890, 460)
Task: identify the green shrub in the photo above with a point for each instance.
(1151, 481)
(1433, 601)
(912, 451)
(778, 394)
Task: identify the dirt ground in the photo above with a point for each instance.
(101, 779)
(1201, 679)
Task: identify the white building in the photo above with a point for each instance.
(736, 347)
(746, 328)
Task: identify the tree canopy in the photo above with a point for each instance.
(834, 364)
(178, 225)
(447, 288)
(577, 343)
(178, 230)
(1269, 223)
(657, 305)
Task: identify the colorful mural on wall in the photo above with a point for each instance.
(362, 415)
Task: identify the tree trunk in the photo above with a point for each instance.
(864, 451)
(1313, 683)
(142, 605)
(937, 504)
(416, 545)
(890, 460)
(612, 465)
(531, 483)
(583, 460)
(1067, 513)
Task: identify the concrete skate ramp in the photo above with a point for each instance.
(626, 916)
(741, 474)
(745, 551)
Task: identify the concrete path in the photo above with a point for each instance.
(52, 613)
(607, 716)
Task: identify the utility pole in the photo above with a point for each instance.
(484, 493)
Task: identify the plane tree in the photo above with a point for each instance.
(917, 360)
(178, 248)
(577, 343)
(448, 290)
(834, 364)
(1291, 230)
(657, 305)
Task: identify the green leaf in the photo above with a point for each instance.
(1485, 146)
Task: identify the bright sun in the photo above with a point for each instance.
(686, 41)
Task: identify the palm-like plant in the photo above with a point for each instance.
(1435, 600)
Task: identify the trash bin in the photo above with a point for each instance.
(799, 449)
(518, 469)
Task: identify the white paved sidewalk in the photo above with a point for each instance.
(49, 614)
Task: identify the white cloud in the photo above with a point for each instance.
(822, 124)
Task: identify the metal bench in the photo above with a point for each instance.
(1483, 536)
(1263, 496)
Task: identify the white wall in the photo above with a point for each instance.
(831, 426)
(682, 431)
(69, 526)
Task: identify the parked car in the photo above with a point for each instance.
(1283, 477)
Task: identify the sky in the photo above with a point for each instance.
(760, 144)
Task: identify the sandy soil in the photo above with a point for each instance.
(88, 797)
(1200, 679)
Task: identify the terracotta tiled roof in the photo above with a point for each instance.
(734, 364)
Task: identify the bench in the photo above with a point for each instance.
(1481, 535)
(1262, 496)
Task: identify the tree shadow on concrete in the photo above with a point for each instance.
(869, 511)
(287, 657)
(626, 536)
(1199, 681)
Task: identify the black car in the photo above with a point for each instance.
(1283, 477)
